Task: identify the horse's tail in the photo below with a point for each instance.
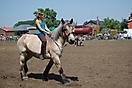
(21, 43)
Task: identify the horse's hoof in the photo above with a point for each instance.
(25, 78)
(65, 81)
(45, 79)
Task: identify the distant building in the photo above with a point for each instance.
(95, 24)
(4, 31)
(32, 30)
(9, 31)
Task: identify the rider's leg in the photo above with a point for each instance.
(43, 46)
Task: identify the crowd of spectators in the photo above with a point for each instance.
(9, 38)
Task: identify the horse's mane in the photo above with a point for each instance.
(55, 33)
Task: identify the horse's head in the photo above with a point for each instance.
(68, 31)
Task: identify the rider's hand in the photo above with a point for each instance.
(48, 32)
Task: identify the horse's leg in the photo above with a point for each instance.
(24, 57)
(22, 64)
(48, 67)
(27, 57)
(60, 69)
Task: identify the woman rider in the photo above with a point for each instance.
(42, 30)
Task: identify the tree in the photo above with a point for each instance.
(124, 24)
(111, 24)
(17, 33)
(30, 22)
(85, 23)
(130, 15)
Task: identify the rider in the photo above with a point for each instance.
(42, 30)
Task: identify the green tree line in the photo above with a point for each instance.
(114, 24)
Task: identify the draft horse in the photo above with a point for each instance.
(29, 45)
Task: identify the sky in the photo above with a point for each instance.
(13, 11)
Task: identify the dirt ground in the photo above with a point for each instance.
(97, 64)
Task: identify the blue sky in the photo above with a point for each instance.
(12, 11)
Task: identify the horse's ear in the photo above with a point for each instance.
(63, 22)
(71, 21)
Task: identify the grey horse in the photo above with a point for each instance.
(29, 45)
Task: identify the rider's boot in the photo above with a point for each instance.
(43, 52)
(41, 56)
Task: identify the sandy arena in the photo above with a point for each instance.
(97, 64)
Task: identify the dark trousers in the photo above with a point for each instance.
(42, 37)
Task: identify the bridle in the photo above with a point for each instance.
(65, 29)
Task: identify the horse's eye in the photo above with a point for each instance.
(65, 29)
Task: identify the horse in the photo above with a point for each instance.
(30, 46)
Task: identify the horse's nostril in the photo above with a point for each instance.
(72, 41)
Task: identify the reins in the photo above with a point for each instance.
(60, 47)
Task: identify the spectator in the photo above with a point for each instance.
(76, 41)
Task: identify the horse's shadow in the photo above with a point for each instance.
(51, 76)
